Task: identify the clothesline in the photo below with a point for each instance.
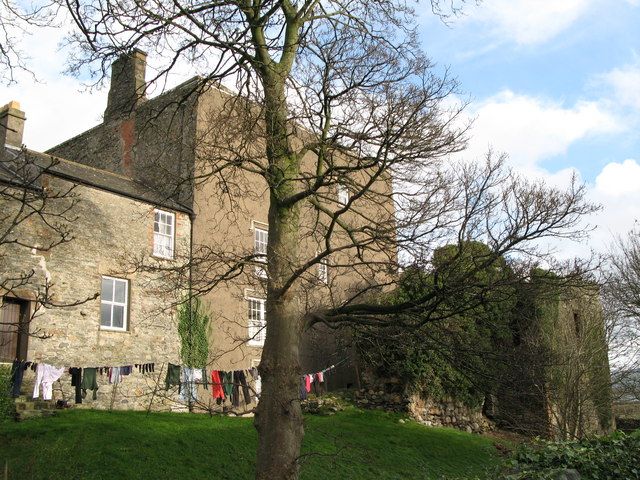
(85, 378)
(103, 365)
(331, 367)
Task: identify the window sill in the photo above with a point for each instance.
(160, 257)
(115, 330)
(255, 344)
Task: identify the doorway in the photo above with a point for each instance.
(14, 329)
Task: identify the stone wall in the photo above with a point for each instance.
(392, 395)
(110, 233)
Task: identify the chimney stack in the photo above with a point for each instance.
(11, 125)
(127, 90)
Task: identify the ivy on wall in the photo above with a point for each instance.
(192, 328)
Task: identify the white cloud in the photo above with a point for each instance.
(529, 22)
(619, 179)
(532, 129)
(617, 189)
(625, 83)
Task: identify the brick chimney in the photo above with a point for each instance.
(11, 125)
(127, 90)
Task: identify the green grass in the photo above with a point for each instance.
(353, 444)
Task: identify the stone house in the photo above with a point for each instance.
(174, 144)
(68, 296)
(159, 155)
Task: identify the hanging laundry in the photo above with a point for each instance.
(89, 382)
(17, 373)
(242, 378)
(318, 384)
(236, 388)
(205, 379)
(257, 383)
(189, 392)
(227, 380)
(217, 390)
(76, 381)
(303, 387)
(173, 376)
(45, 376)
(114, 375)
(126, 370)
(307, 383)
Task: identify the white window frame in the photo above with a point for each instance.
(158, 247)
(323, 270)
(343, 194)
(112, 303)
(257, 329)
(261, 254)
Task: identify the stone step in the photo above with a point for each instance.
(28, 414)
(24, 406)
(45, 404)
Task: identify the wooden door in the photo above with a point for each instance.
(14, 329)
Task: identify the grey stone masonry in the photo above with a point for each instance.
(111, 235)
(11, 125)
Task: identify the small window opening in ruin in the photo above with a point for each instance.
(577, 322)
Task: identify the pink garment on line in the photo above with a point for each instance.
(307, 383)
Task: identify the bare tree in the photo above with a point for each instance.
(16, 20)
(345, 123)
(622, 310)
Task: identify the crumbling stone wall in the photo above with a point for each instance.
(393, 395)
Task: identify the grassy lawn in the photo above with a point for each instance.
(353, 444)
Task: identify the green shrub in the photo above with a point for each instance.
(193, 320)
(612, 457)
(7, 405)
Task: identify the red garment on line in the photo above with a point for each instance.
(216, 389)
(307, 383)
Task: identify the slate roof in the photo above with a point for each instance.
(25, 168)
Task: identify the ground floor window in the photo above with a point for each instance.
(114, 302)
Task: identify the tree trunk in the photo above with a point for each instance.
(279, 416)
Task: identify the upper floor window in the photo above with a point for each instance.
(163, 233)
(257, 321)
(260, 239)
(343, 194)
(323, 271)
(114, 303)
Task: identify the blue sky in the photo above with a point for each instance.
(555, 84)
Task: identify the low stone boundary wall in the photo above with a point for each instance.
(384, 394)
